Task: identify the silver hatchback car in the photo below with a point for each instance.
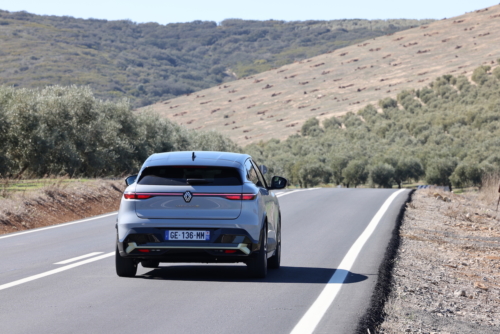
(209, 207)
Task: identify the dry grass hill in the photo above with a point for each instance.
(276, 103)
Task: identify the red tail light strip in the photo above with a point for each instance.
(148, 195)
(244, 197)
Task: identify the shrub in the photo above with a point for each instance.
(388, 103)
(438, 172)
(313, 174)
(382, 175)
(355, 173)
(408, 169)
(310, 127)
(467, 174)
(479, 75)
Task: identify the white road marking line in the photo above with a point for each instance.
(56, 226)
(78, 258)
(55, 271)
(294, 191)
(313, 316)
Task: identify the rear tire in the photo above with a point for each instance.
(124, 267)
(274, 261)
(257, 267)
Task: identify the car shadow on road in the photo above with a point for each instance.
(220, 273)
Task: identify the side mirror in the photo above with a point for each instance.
(131, 179)
(263, 169)
(278, 182)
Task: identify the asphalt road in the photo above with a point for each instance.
(319, 229)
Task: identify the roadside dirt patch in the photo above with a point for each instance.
(446, 276)
(59, 204)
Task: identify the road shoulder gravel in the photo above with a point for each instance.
(445, 275)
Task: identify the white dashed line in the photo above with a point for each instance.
(78, 258)
(55, 271)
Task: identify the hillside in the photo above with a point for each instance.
(276, 103)
(447, 133)
(150, 62)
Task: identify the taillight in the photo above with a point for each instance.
(248, 197)
(136, 196)
(245, 197)
(143, 250)
(232, 197)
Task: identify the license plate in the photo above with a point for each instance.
(187, 235)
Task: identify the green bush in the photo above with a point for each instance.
(480, 74)
(388, 103)
(496, 72)
(311, 127)
(466, 175)
(355, 173)
(408, 169)
(382, 175)
(439, 171)
(66, 130)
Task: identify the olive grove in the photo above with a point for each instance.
(447, 133)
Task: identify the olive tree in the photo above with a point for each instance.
(438, 171)
(382, 175)
(408, 169)
(355, 173)
(467, 174)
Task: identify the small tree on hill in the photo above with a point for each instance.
(408, 169)
(311, 127)
(337, 164)
(438, 172)
(382, 175)
(313, 174)
(467, 174)
(480, 74)
(355, 173)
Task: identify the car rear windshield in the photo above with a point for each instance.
(190, 175)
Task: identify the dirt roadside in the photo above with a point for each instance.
(446, 274)
(59, 203)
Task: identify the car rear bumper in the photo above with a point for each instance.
(225, 245)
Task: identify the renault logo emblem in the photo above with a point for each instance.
(187, 196)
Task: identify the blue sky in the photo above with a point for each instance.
(168, 11)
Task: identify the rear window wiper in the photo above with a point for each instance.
(197, 181)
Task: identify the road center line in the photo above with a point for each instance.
(78, 258)
(313, 316)
(56, 226)
(55, 271)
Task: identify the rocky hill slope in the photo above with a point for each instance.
(276, 103)
(151, 62)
